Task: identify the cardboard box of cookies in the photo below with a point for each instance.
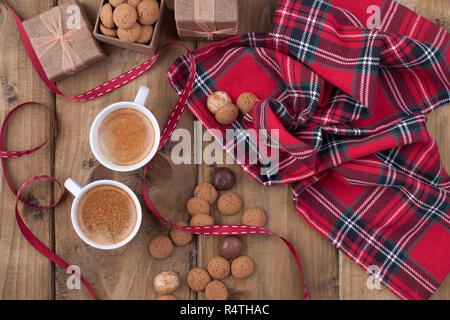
(130, 24)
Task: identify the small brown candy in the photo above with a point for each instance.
(167, 297)
(242, 267)
(231, 247)
(217, 100)
(130, 35)
(197, 206)
(160, 247)
(180, 237)
(219, 268)
(223, 178)
(115, 3)
(254, 217)
(216, 290)
(206, 191)
(133, 3)
(201, 220)
(229, 204)
(124, 16)
(166, 282)
(245, 102)
(227, 114)
(198, 279)
(108, 32)
(147, 12)
(146, 34)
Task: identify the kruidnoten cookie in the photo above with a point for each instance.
(146, 34)
(198, 279)
(227, 114)
(201, 220)
(219, 268)
(106, 16)
(245, 102)
(115, 3)
(108, 32)
(129, 35)
(254, 217)
(166, 282)
(242, 267)
(133, 3)
(180, 237)
(125, 16)
(229, 204)
(147, 12)
(216, 290)
(206, 191)
(217, 100)
(197, 206)
(160, 247)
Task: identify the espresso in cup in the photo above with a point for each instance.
(126, 136)
(106, 214)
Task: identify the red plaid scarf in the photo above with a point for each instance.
(350, 105)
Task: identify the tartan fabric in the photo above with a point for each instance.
(349, 103)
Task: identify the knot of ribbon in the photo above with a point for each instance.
(52, 21)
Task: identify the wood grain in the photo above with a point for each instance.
(24, 273)
(128, 272)
(352, 278)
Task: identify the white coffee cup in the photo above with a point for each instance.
(138, 105)
(78, 192)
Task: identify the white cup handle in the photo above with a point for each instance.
(73, 187)
(142, 95)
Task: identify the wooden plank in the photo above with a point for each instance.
(126, 273)
(352, 278)
(24, 273)
(276, 275)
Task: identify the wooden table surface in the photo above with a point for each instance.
(127, 273)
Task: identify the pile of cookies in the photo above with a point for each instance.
(225, 112)
(129, 20)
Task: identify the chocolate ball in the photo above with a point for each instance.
(231, 247)
(223, 178)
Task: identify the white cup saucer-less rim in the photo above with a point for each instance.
(84, 237)
(93, 135)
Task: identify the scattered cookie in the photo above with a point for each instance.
(160, 247)
(217, 100)
(178, 236)
(147, 12)
(115, 3)
(201, 220)
(198, 279)
(216, 290)
(242, 267)
(146, 34)
(223, 178)
(245, 102)
(166, 282)
(219, 268)
(197, 206)
(133, 3)
(254, 217)
(124, 16)
(229, 203)
(106, 16)
(231, 247)
(129, 35)
(206, 191)
(167, 297)
(227, 114)
(108, 32)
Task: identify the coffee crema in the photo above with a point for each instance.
(106, 214)
(126, 136)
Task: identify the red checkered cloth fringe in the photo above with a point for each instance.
(348, 95)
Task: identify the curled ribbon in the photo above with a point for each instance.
(52, 21)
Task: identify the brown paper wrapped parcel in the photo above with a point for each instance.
(63, 41)
(206, 19)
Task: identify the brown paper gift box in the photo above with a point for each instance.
(206, 19)
(79, 49)
(149, 49)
